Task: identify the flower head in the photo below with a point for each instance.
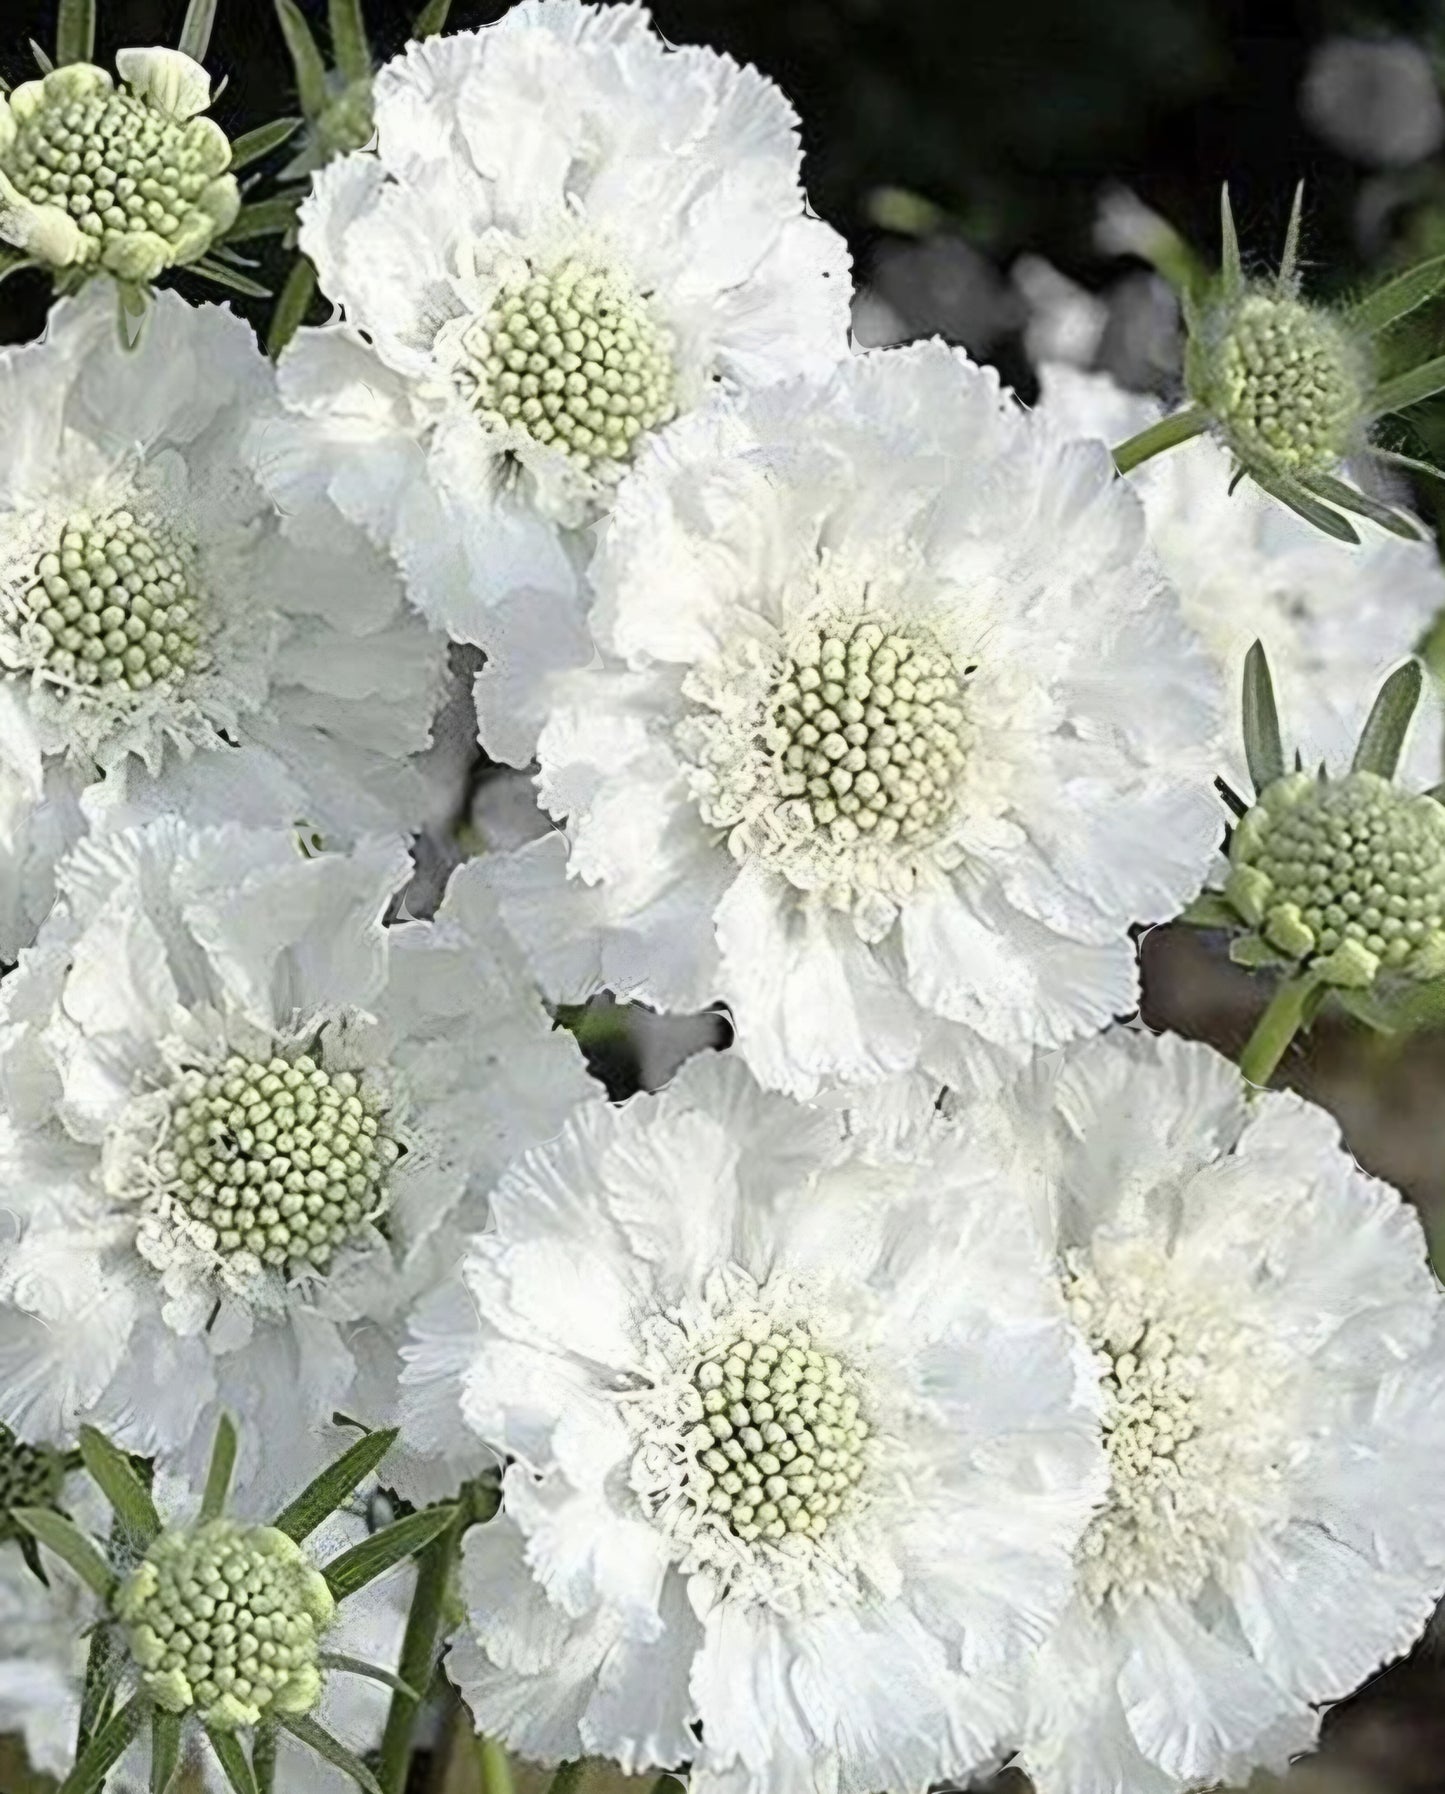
(246, 1117)
(896, 732)
(1270, 1345)
(167, 641)
(126, 180)
(797, 1483)
(566, 234)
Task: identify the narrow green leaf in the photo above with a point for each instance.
(218, 1477)
(292, 306)
(75, 32)
(336, 1483)
(1388, 723)
(222, 276)
(1409, 389)
(363, 1563)
(306, 59)
(1290, 493)
(1350, 498)
(431, 19)
(42, 60)
(355, 1666)
(264, 218)
(348, 39)
(1262, 748)
(1210, 910)
(30, 1556)
(106, 1748)
(120, 1485)
(232, 1758)
(1253, 952)
(196, 32)
(1393, 458)
(1398, 297)
(1369, 1007)
(1231, 272)
(305, 1728)
(165, 1749)
(1289, 261)
(68, 1543)
(258, 143)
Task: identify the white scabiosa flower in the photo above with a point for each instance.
(565, 235)
(898, 732)
(1334, 616)
(242, 1121)
(800, 1457)
(1271, 1349)
(165, 643)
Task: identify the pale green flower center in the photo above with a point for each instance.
(226, 1619)
(278, 1158)
(30, 1476)
(1288, 385)
(1347, 871)
(782, 1441)
(575, 360)
(112, 608)
(866, 728)
(123, 170)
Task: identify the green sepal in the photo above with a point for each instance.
(1393, 458)
(107, 1747)
(1231, 270)
(1251, 951)
(196, 32)
(1383, 736)
(291, 306)
(332, 1750)
(348, 39)
(1247, 892)
(222, 276)
(262, 141)
(1407, 389)
(1350, 498)
(1369, 1007)
(123, 1489)
(1398, 297)
(70, 1544)
(75, 32)
(306, 59)
(431, 19)
(371, 1672)
(1289, 262)
(1290, 493)
(1210, 909)
(264, 218)
(218, 1476)
(232, 1758)
(335, 1485)
(42, 58)
(1350, 967)
(165, 1749)
(363, 1563)
(1263, 749)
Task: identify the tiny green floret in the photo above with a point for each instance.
(123, 179)
(225, 1620)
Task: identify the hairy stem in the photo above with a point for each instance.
(1168, 433)
(1291, 1008)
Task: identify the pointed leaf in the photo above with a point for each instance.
(75, 32)
(222, 276)
(30, 1557)
(1393, 458)
(306, 59)
(218, 1477)
(120, 1485)
(1262, 748)
(69, 1544)
(1304, 504)
(1389, 721)
(1369, 1007)
(264, 218)
(1210, 910)
(232, 1758)
(292, 306)
(1350, 498)
(363, 1563)
(355, 1666)
(431, 19)
(348, 39)
(305, 1728)
(334, 1485)
(165, 1749)
(1231, 273)
(106, 1748)
(196, 32)
(260, 142)
(1251, 951)
(42, 60)
(1409, 389)
(1397, 297)
(1289, 261)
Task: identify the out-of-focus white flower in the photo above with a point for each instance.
(900, 731)
(167, 641)
(241, 1123)
(801, 1453)
(1334, 617)
(1271, 1347)
(566, 235)
(1377, 100)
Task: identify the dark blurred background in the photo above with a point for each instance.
(1005, 173)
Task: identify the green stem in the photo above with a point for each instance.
(495, 1767)
(568, 1777)
(1168, 433)
(434, 1567)
(1291, 1008)
(263, 1760)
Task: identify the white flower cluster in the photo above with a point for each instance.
(949, 1372)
